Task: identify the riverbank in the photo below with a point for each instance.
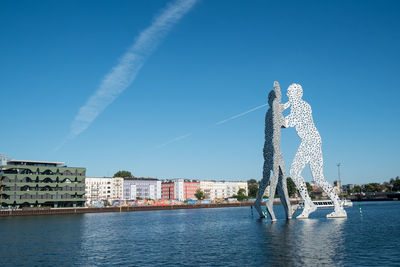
(58, 211)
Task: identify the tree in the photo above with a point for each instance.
(106, 203)
(253, 187)
(395, 184)
(199, 194)
(357, 189)
(309, 188)
(291, 187)
(241, 194)
(123, 174)
(372, 187)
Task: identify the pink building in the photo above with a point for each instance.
(179, 189)
(168, 190)
(189, 188)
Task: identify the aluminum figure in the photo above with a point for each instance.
(309, 152)
(273, 159)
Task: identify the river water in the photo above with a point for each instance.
(204, 237)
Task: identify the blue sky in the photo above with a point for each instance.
(218, 60)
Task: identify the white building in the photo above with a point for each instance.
(143, 188)
(232, 188)
(179, 194)
(207, 188)
(222, 189)
(103, 188)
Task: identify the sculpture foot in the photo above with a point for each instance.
(270, 210)
(338, 213)
(292, 210)
(257, 206)
(310, 208)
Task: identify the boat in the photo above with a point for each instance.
(328, 203)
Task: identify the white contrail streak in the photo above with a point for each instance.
(124, 73)
(240, 115)
(218, 123)
(176, 139)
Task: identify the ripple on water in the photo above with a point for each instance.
(203, 237)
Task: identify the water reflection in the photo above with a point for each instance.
(305, 242)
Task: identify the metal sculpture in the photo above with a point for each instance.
(309, 152)
(273, 159)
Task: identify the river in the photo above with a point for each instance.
(204, 237)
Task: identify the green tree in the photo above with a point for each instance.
(199, 194)
(241, 194)
(253, 187)
(395, 184)
(357, 189)
(309, 188)
(291, 187)
(123, 174)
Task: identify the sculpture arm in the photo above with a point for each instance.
(285, 106)
(290, 121)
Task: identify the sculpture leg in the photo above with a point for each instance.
(316, 166)
(299, 162)
(261, 190)
(283, 193)
(272, 190)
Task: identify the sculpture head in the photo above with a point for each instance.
(277, 90)
(294, 92)
(271, 97)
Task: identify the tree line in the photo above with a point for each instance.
(392, 186)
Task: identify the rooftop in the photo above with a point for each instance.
(33, 162)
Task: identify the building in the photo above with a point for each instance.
(103, 188)
(337, 187)
(173, 189)
(185, 189)
(168, 190)
(28, 183)
(219, 190)
(190, 188)
(222, 189)
(232, 188)
(142, 188)
(207, 188)
(347, 188)
(179, 189)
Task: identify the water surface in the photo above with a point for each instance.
(204, 237)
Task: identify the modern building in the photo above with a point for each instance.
(28, 183)
(144, 188)
(103, 188)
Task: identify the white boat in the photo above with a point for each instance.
(328, 203)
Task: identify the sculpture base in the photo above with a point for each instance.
(341, 213)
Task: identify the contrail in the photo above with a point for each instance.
(176, 139)
(218, 123)
(240, 115)
(124, 73)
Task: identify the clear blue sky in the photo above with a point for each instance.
(219, 60)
